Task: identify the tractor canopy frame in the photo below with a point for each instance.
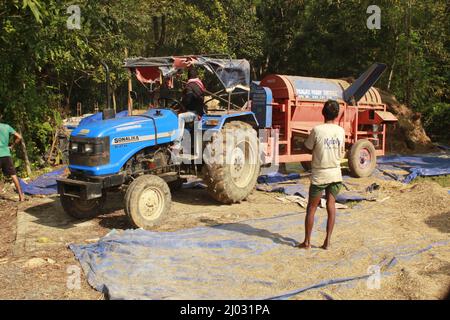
(232, 73)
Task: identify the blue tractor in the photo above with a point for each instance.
(134, 152)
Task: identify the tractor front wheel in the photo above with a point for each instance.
(233, 165)
(362, 159)
(147, 201)
(83, 209)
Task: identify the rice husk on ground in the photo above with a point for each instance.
(406, 212)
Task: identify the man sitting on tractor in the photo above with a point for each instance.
(192, 102)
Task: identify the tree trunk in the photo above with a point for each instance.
(130, 88)
(408, 48)
(114, 100)
(391, 73)
(52, 148)
(25, 153)
(159, 33)
(162, 35)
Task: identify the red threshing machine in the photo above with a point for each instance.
(296, 107)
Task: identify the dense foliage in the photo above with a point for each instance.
(46, 68)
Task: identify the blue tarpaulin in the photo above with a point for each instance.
(426, 165)
(275, 177)
(385, 265)
(253, 259)
(416, 165)
(44, 184)
(443, 147)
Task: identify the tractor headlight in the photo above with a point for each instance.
(90, 152)
(73, 146)
(88, 148)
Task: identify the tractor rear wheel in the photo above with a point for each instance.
(147, 201)
(232, 174)
(83, 209)
(362, 159)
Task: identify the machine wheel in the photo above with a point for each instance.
(147, 201)
(362, 159)
(306, 165)
(83, 209)
(232, 178)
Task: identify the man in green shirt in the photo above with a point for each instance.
(6, 163)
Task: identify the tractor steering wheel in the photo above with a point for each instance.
(170, 103)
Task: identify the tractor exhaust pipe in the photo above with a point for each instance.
(108, 113)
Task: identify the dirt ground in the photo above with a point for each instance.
(35, 262)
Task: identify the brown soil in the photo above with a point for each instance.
(7, 227)
(406, 212)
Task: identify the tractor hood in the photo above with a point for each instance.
(165, 121)
(111, 143)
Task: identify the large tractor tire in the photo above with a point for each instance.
(83, 209)
(147, 201)
(233, 177)
(362, 159)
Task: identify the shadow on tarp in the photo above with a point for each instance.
(217, 262)
(440, 222)
(252, 231)
(44, 184)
